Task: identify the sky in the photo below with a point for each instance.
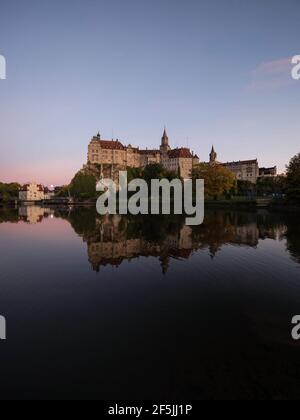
(212, 71)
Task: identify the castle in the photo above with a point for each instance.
(112, 156)
(244, 170)
(117, 156)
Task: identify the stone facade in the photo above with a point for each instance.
(114, 154)
(244, 170)
(112, 157)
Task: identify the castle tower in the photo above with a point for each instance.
(213, 156)
(164, 148)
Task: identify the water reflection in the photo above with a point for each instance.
(113, 239)
(34, 214)
(220, 328)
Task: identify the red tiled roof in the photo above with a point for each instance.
(180, 153)
(116, 145)
(109, 144)
(26, 187)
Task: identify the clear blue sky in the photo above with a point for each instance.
(213, 71)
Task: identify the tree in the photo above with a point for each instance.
(271, 185)
(83, 186)
(133, 173)
(9, 191)
(293, 179)
(157, 171)
(64, 191)
(245, 188)
(218, 179)
(154, 171)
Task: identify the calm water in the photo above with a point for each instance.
(113, 308)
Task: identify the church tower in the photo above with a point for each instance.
(213, 156)
(164, 148)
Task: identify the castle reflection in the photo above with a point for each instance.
(114, 239)
(111, 240)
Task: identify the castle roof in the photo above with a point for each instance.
(241, 162)
(268, 171)
(149, 152)
(180, 153)
(26, 187)
(111, 144)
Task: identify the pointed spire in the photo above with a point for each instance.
(165, 142)
(213, 155)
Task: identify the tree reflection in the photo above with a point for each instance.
(293, 236)
(113, 239)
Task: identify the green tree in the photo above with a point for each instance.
(218, 179)
(271, 185)
(64, 191)
(157, 171)
(154, 171)
(293, 180)
(245, 188)
(9, 191)
(83, 186)
(134, 173)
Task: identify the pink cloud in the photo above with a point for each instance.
(272, 75)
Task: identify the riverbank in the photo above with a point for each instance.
(237, 203)
(253, 204)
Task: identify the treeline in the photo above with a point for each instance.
(9, 192)
(219, 182)
(83, 185)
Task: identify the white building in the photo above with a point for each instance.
(32, 192)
